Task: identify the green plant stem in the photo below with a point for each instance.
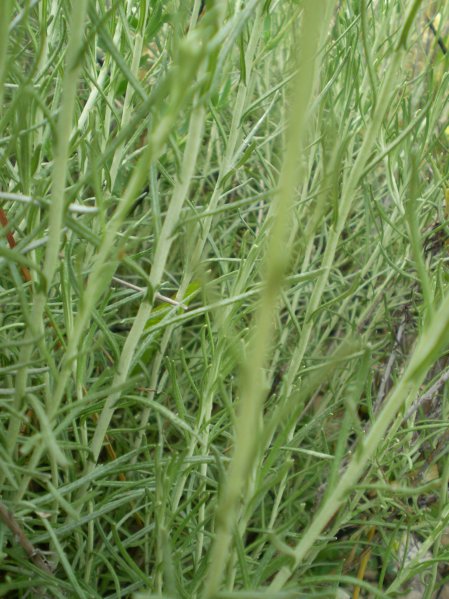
(203, 234)
(118, 156)
(65, 124)
(5, 17)
(348, 192)
(367, 50)
(429, 346)
(347, 197)
(59, 175)
(160, 258)
(411, 213)
(192, 56)
(252, 390)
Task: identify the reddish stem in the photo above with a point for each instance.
(12, 243)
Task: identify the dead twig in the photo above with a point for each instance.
(439, 39)
(33, 554)
(387, 374)
(158, 296)
(429, 395)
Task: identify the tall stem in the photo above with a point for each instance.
(57, 207)
(252, 393)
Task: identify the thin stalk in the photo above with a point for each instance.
(160, 259)
(252, 390)
(348, 194)
(118, 156)
(204, 231)
(367, 50)
(104, 268)
(411, 213)
(5, 17)
(100, 82)
(59, 175)
(431, 343)
(443, 502)
(64, 129)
